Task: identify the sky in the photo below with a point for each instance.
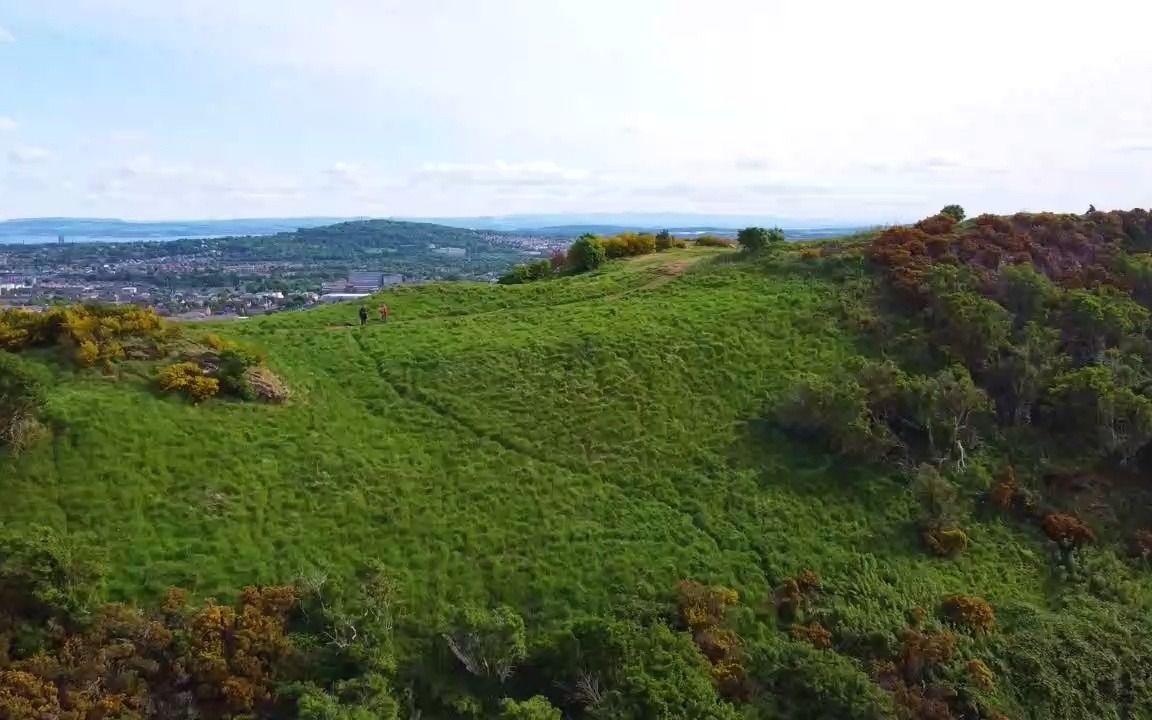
(877, 111)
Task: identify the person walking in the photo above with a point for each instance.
(383, 312)
(363, 316)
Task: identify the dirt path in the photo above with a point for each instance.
(668, 272)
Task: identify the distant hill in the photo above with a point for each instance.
(616, 222)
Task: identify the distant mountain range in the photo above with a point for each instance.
(50, 229)
(634, 221)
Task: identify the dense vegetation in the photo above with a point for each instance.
(880, 477)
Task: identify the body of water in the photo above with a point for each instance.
(68, 239)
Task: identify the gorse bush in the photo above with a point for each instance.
(215, 366)
(189, 379)
(1067, 530)
(969, 612)
(88, 334)
(629, 244)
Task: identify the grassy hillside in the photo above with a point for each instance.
(566, 448)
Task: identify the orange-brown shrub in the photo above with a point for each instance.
(808, 581)
(920, 703)
(937, 224)
(702, 610)
(1004, 490)
(979, 673)
(945, 542)
(1068, 530)
(718, 644)
(970, 612)
(917, 616)
(814, 633)
(921, 651)
(702, 606)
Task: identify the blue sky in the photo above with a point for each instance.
(875, 111)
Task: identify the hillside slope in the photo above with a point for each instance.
(559, 447)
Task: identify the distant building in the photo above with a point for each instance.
(360, 281)
(342, 297)
(452, 251)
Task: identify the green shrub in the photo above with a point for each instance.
(756, 239)
(1087, 661)
(527, 272)
(800, 682)
(534, 708)
(624, 670)
(488, 643)
(232, 369)
(713, 241)
(953, 211)
(586, 254)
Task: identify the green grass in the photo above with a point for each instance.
(541, 444)
(551, 445)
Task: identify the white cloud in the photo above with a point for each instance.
(345, 175)
(728, 120)
(7, 124)
(27, 155)
(143, 179)
(502, 174)
(5, 36)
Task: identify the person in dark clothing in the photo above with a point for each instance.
(363, 316)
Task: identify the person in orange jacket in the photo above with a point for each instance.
(383, 312)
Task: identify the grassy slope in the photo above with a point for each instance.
(547, 445)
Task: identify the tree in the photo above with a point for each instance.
(954, 211)
(587, 253)
(1024, 370)
(947, 406)
(1093, 321)
(535, 708)
(972, 328)
(1093, 405)
(756, 239)
(663, 240)
(489, 643)
(1026, 292)
(624, 670)
(839, 410)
